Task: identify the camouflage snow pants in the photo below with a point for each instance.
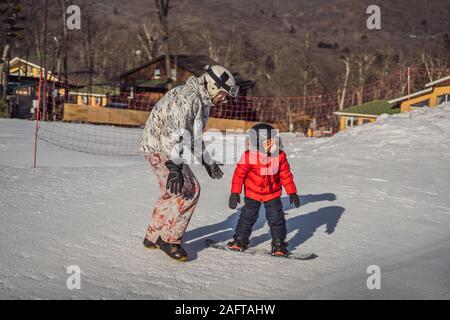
(172, 213)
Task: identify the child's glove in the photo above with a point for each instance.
(294, 199)
(234, 200)
(175, 179)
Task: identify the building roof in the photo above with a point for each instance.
(23, 61)
(419, 93)
(433, 83)
(16, 61)
(156, 83)
(193, 63)
(372, 108)
(100, 95)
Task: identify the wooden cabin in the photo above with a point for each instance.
(150, 78)
(25, 75)
(435, 93)
(21, 69)
(364, 113)
(23, 85)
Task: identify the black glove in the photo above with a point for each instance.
(175, 179)
(294, 199)
(234, 200)
(213, 169)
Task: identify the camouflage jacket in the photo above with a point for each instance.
(177, 119)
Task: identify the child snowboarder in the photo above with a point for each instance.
(263, 170)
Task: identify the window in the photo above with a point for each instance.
(85, 100)
(98, 101)
(351, 121)
(424, 103)
(443, 98)
(173, 73)
(157, 73)
(366, 121)
(23, 91)
(16, 73)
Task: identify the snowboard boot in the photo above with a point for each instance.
(173, 250)
(149, 245)
(279, 248)
(238, 244)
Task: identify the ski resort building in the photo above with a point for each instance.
(88, 99)
(23, 87)
(435, 93)
(364, 113)
(24, 70)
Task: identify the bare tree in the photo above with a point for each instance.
(363, 62)
(434, 64)
(343, 91)
(213, 50)
(11, 29)
(149, 39)
(307, 69)
(89, 48)
(218, 49)
(163, 13)
(64, 42)
(4, 66)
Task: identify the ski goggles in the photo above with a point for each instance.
(234, 91)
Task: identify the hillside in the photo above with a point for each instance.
(263, 40)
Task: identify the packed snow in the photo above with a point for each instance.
(375, 195)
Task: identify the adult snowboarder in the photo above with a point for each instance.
(178, 119)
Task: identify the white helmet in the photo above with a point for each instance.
(218, 78)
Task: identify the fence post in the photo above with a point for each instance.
(37, 118)
(409, 82)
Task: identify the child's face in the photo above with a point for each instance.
(268, 144)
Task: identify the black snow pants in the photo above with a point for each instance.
(249, 215)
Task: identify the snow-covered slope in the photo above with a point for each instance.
(378, 194)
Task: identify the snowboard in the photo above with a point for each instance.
(253, 251)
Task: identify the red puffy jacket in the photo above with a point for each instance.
(263, 176)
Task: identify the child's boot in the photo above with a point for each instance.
(238, 244)
(279, 248)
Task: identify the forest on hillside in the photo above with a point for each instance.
(289, 48)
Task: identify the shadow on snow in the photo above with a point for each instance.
(304, 225)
